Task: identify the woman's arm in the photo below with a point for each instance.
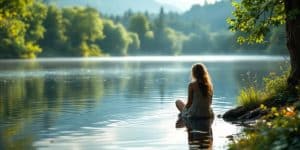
(190, 96)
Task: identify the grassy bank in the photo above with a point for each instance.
(274, 87)
(280, 128)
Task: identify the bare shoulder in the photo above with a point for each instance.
(193, 85)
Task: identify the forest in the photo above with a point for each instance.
(43, 29)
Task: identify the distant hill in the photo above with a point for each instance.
(214, 15)
(116, 6)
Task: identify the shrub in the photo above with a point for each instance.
(279, 133)
(273, 86)
(276, 84)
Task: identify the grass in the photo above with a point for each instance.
(281, 132)
(280, 128)
(273, 86)
(250, 97)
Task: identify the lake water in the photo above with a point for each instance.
(115, 103)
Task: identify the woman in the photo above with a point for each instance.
(200, 92)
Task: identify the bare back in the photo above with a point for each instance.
(200, 104)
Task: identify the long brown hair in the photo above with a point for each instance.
(200, 73)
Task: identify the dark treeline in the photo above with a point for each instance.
(200, 30)
(36, 29)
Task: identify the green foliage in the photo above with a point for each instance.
(197, 43)
(160, 23)
(81, 32)
(149, 35)
(54, 40)
(83, 27)
(156, 37)
(135, 43)
(24, 97)
(20, 28)
(117, 39)
(161, 32)
(279, 133)
(139, 24)
(175, 40)
(274, 86)
(255, 18)
(29, 28)
(250, 97)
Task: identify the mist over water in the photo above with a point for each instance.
(113, 103)
(105, 74)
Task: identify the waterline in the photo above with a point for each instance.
(200, 58)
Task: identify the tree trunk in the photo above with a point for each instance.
(292, 8)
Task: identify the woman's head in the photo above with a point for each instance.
(199, 72)
(201, 75)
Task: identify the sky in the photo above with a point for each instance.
(184, 5)
(120, 6)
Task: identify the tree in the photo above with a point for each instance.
(174, 41)
(21, 28)
(83, 28)
(54, 37)
(161, 39)
(197, 44)
(116, 40)
(126, 17)
(135, 44)
(140, 24)
(257, 17)
(160, 23)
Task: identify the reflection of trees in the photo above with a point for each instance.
(35, 98)
(16, 95)
(162, 86)
(30, 100)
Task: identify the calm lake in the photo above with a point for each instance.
(115, 103)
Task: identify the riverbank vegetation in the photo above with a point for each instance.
(275, 107)
(278, 128)
(41, 29)
(277, 112)
(274, 85)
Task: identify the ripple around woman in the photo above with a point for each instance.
(200, 135)
(197, 114)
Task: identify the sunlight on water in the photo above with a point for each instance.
(202, 58)
(114, 103)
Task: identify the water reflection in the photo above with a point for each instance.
(200, 134)
(30, 102)
(42, 100)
